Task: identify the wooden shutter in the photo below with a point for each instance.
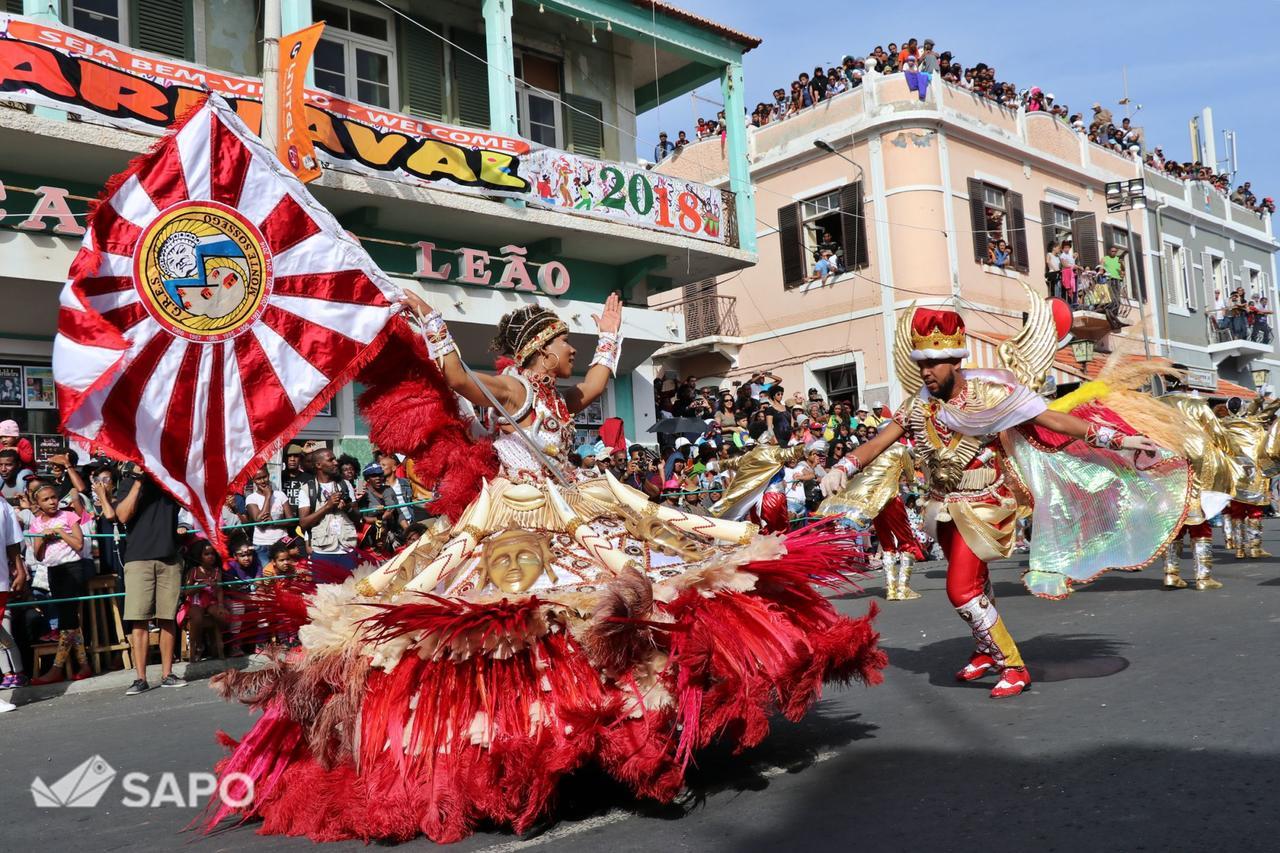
(1184, 261)
(791, 245)
(1206, 282)
(423, 66)
(1084, 235)
(1047, 230)
(584, 125)
(853, 227)
(1017, 232)
(162, 26)
(978, 220)
(1138, 266)
(470, 80)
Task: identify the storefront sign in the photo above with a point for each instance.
(1202, 379)
(50, 210)
(476, 266)
(109, 83)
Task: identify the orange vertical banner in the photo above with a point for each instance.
(294, 147)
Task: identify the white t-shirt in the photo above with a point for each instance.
(263, 534)
(10, 534)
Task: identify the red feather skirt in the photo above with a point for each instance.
(442, 741)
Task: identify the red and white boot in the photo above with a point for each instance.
(978, 666)
(1013, 680)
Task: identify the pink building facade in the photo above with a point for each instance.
(910, 199)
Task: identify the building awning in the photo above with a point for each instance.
(983, 353)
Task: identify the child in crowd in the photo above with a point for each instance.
(57, 542)
(205, 609)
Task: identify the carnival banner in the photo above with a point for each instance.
(294, 146)
(106, 82)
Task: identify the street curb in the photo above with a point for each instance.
(197, 671)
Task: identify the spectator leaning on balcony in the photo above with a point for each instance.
(663, 149)
(1053, 270)
(1237, 310)
(1261, 328)
(681, 140)
(1113, 264)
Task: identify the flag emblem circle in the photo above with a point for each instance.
(203, 271)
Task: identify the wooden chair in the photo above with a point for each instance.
(106, 634)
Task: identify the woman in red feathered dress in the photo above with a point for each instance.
(546, 626)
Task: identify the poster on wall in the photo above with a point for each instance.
(10, 385)
(112, 84)
(47, 446)
(38, 387)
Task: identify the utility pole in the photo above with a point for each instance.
(271, 73)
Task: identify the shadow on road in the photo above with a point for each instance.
(789, 748)
(985, 797)
(1050, 657)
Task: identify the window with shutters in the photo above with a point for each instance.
(1253, 281)
(537, 91)
(831, 225)
(1179, 287)
(1059, 225)
(106, 19)
(356, 57)
(841, 384)
(1130, 259)
(820, 228)
(999, 226)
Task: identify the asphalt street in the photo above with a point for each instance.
(1151, 726)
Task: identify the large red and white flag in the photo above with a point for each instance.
(213, 309)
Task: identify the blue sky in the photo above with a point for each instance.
(1181, 56)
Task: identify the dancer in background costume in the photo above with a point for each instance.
(547, 625)
(993, 450)
(757, 490)
(1211, 451)
(874, 499)
(1255, 433)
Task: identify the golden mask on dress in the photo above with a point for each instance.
(514, 559)
(659, 535)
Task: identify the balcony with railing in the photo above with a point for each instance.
(710, 326)
(1224, 343)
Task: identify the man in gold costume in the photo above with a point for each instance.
(992, 449)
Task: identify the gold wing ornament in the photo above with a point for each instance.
(1029, 354)
(908, 372)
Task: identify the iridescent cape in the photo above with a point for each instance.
(1094, 510)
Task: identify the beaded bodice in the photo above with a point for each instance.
(551, 428)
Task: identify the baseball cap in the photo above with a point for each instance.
(373, 469)
(291, 450)
(9, 428)
(682, 442)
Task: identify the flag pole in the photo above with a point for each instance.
(271, 73)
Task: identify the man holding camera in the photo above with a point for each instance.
(152, 570)
(328, 513)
